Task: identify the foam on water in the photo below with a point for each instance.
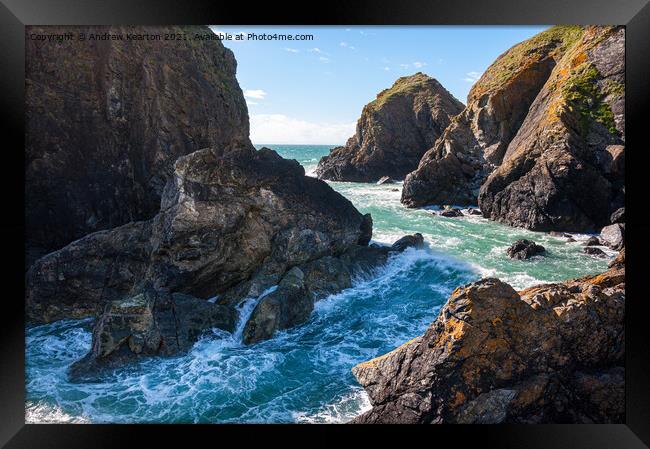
(302, 374)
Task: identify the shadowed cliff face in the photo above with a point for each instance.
(393, 132)
(106, 120)
(474, 144)
(564, 170)
(548, 354)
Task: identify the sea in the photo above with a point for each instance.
(301, 375)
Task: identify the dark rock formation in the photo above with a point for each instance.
(618, 216)
(393, 132)
(106, 120)
(563, 168)
(472, 211)
(225, 217)
(614, 235)
(524, 249)
(475, 142)
(451, 212)
(592, 251)
(292, 302)
(593, 241)
(150, 323)
(552, 353)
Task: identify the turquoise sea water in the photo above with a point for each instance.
(303, 374)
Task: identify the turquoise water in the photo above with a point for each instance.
(303, 374)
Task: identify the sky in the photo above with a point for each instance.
(313, 91)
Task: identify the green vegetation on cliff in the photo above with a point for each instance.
(552, 42)
(407, 85)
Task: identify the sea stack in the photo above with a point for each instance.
(393, 133)
(475, 142)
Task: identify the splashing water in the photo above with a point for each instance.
(302, 374)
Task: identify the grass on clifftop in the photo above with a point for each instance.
(414, 84)
(552, 42)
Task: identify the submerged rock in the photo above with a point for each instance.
(106, 121)
(451, 212)
(594, 251)
(225, 217)
(472, 211)
(593, 241)
(393, 132)
(551, 353)
(614, 235)
(557, 171)
(475, 142)
(150, 323)
(524, 249)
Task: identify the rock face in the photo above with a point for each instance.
(226, 217)
(292, 302)
(524, 249)
(475, 142)
(552, 353)
(106, 120)
(150, 323)
(393, 133)
(614, 235)
(563, 168)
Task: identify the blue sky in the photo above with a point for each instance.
(313, 91)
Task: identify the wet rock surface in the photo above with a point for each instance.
(393, 133)
(551, 353)
(524, 249)
(152, 323)
(614, 235)
(106, 120)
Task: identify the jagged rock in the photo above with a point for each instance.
(105, 122)
(618, 216)
(557, 171)
(394, 190)
(472, 211)
(614, 235)
(552, 353)
(594, 251)
(290, 304)
(593, 241)
(385, 180)
(366, 230)
(473, 145)
(150, 323)
(416, 240)
(225, 216)
(570, 240)
(559, 234)
(393, 132)
(524, 249)
(451, 212)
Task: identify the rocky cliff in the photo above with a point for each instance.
(564, 170)
(226, 217)
(106, 120)
(393, 132)
(548, 354)
(474, 144)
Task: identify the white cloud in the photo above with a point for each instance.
(279, 128)
(250, 103)
(324, 59)
(346, 45)
(258, 94)
(387, 68)
(472, 77)
(292, 50)
(419, 65)
(404, 66)
(316, 50)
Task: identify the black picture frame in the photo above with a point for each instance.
(16, 14)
